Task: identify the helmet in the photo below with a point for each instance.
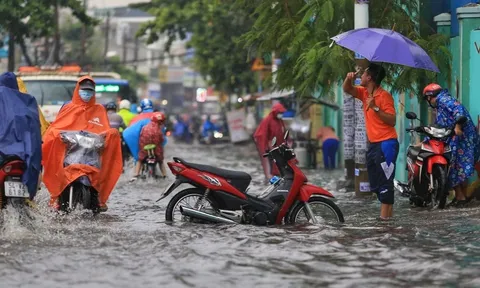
(146, 104)
(111, 106)
(432, 90)
(158, 117)
(124, 104)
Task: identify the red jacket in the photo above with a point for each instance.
(270, 127)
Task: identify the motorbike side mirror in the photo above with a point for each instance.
(286, 135)
(411, 115)
(274, 141)
(462, 120)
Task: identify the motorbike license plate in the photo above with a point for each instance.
(16, 189)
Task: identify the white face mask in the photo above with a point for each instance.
(279, 115)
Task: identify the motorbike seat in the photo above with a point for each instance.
(413, 151)
(237, 179)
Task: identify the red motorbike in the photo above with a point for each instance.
(220, 196)
(13, 191)
(428, 165)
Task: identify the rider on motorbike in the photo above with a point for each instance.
(464, 145)
(82, 113)
(208, 127)
(116, 121)
(151, 134)
(125, 113)
(147, 111)
(20, 129)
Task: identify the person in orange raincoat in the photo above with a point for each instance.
(83, 113)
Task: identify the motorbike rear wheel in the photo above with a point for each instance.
(440, 191)
(194, 193)
(299, 210)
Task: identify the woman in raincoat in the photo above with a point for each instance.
(464, 144)
(83, 113)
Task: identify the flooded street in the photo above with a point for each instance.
(131, 246)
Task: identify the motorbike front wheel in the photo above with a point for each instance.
(323, 209)
(440, 189)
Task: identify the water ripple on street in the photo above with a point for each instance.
(131, 245)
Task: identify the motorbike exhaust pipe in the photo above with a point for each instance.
(401, 187)
(204, 216)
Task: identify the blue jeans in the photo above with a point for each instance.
(329, 149)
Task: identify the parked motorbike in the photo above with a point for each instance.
(83, 148)
(220, 196)
(428, 165)
(149, 164)
(13, 191)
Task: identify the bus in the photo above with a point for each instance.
(108, 90)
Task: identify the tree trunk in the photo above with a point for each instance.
(46, 50)
(25, 52)
(56, 46)
(107, 38)
(11, 52)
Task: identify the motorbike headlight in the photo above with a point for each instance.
(217, 135)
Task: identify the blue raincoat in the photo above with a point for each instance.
(20, 133)
(208, 126)
(131, 136)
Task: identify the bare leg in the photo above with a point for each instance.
(459, 192)
(138, 167)
(386, 211)
(162, 168)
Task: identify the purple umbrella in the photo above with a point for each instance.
(381, 45)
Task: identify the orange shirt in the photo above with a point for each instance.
(377, 130)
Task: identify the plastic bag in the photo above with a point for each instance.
(83, 148)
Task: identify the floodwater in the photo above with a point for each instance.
(131, 246)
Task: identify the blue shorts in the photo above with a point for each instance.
(381, 164)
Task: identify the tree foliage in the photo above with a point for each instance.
(214, 27)
(300, 32)
(36, 18)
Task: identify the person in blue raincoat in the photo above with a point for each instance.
(20, 132)
(465, 149)
(208, 127)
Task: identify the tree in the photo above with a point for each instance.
(214, 27)
(300, 32)
(34, 19)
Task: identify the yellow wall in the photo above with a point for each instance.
(316, 116)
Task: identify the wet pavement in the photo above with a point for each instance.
(130, 245)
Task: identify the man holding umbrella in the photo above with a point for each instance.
(380, 118)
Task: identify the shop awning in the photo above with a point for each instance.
(276, 95)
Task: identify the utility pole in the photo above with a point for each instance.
(107, 38)
(124, 45)
(11, 51)
(135, 53)
(362, 184)
(56, 47)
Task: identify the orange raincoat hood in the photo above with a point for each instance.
(91, 117)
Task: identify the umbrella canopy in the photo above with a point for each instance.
(388, 46)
